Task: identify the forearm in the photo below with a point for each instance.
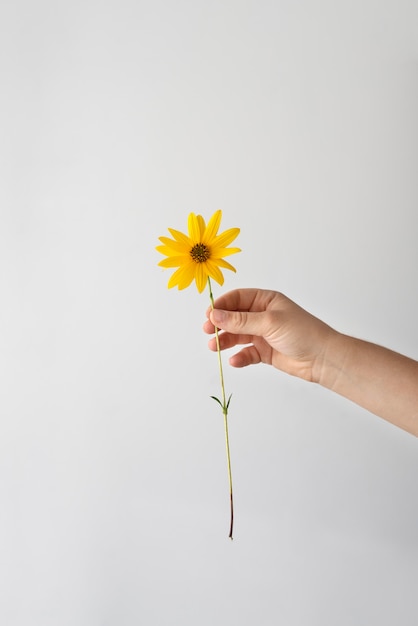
(381, 381)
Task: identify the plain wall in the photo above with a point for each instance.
(117, 119)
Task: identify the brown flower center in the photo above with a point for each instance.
(200, 253)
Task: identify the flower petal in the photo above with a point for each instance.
(201, 276)
(170, 252)
(176, 245)
(173, 261)
(180, 237)
(202, 226)
(225, 265)
(225, 238)
(214, 271)
(194, 228)
(217, 253)
(165, 250)
(182, 277)
(212, 227)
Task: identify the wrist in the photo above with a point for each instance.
(330, 364)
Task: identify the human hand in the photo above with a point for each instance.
(273, 329)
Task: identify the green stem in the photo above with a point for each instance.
(225, 414)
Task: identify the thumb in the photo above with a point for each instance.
(238, 322)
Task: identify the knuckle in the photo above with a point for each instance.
(240, 320)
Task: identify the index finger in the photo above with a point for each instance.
(250, 299)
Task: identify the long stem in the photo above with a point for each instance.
(225, 414)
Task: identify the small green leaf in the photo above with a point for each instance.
(229, 400)
(219, 402)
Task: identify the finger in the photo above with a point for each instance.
(208, 327)
(243, 300)
(246, 356)
(243, 323)
(226, 340)
(237, 299)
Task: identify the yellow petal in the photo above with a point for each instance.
(173, 261)
(225, 265)
(201, 276)
(202, 226)
(168, 251)
(214, 272)
(180, 237)
(165, 250)
(182, 277)
(212, 228)
(175, 245)
(226, 237)
(217, 253)
(194, 228)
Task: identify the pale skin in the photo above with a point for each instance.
(275, 330)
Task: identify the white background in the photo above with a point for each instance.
(299, 120)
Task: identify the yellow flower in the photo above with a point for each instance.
(199, 254)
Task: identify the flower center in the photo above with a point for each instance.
(200, 253)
